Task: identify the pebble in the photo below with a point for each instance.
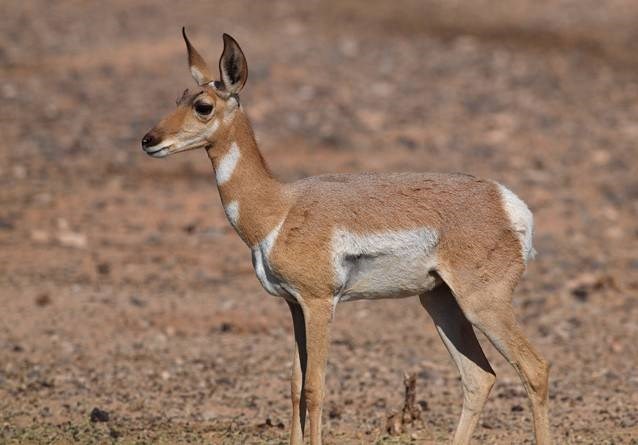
(9, 91)
(43, 300)
(39, 236)
(72, 239)
(19, 171)
(99, 415)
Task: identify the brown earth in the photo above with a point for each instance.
(123, 287)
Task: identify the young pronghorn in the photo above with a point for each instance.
(460, 243)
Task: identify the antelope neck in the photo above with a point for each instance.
(253, 199)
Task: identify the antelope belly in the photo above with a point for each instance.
(391, 264)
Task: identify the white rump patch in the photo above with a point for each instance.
(227, 165)
(521, 219)
(384, 265)
(232, 213)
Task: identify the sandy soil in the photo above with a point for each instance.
(123, 288)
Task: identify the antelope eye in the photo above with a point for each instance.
(203, 108)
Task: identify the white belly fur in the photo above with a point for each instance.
(391, 264)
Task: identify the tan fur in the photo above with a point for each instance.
(479, 258)
(263, 200)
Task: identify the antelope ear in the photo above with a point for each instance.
(199, 69)
(232, 66)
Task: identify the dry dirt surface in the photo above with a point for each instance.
(123, 287)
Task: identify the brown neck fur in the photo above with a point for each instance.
(262, 199)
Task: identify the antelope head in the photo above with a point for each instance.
(201, 114)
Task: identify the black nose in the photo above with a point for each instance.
(149, 140)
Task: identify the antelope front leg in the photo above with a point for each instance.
(299, 361)
(317, 315)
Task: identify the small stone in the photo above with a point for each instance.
(407, 142)
(269, 423)
(99, 415)
(190, 228)
(43, 198)
(373, 120)
(334, 412)
(293, 28)
(137, 301)
(601, 157)
(9, 91)
(19, 171)
(516, 408)
(72, 239)
(43, 300)
(348, 47)
(226, 327)
(382, 89)
(103, 268)
(209, 415)
(6, 225)
(39, 236)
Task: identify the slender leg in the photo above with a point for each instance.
(505, 334)
(317, 315)
(477, 376)
(491, 312)
(299, 361)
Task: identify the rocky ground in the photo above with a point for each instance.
(123, 288)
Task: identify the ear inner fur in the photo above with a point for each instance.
(196, 63)
(233, 69)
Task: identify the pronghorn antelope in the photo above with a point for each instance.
(460, 243)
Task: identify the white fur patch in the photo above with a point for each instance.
(213, 128)
(227, 165)
(269, 241)
(273, 284)
(232, 213)
(521, 219)
(383, 265)
(160, 150)
(231, 108)
(197, 75)
(198, 140)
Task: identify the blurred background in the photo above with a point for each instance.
(123, 287)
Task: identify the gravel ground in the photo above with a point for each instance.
(123, 288)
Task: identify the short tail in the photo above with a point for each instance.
(522, 220)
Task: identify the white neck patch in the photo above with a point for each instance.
(266, 244)
(232, 213)
(227, 165)
(273, 284)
